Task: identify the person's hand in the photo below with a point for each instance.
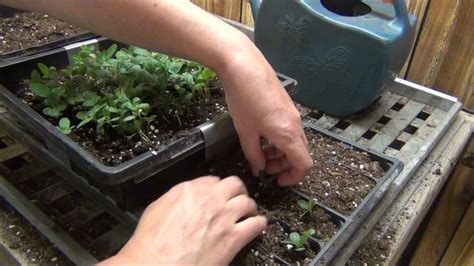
(261, 108)
(205, 221)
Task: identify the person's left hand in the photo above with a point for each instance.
(205, 221)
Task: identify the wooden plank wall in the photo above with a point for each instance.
(442, 55)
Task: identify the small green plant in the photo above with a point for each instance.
(121, 90)
(266, 179)
(299, 242)
(65, 126)
(307, 206)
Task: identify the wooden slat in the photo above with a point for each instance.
(434, 41)
(421, 192)
(230, 9)
(200, 3)
(461, 249)
(418, 8)
(247, 17)
(360, 126)
(456, 75)
(395, 126)
(12, 152)
(442, 225)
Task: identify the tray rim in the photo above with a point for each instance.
(108, 174)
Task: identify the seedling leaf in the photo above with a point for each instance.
(40, 89)
(44, 69)
(53, 112)
(64, 123)
(129, 118)
(111, 51)
(303, 204)
(295, 237)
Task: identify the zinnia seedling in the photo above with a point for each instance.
(120, 90)
(65, 126)
(307, 206)
(299, 242)
(267, 180)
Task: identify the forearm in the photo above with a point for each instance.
(174, 27)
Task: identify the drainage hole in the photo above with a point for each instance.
(423, 115)
(397, 144)
(397, 107)
(383, 120)
(410, 129)
(369, 134)
(342, 124)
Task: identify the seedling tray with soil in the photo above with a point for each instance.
(333, 199)
(200, 128)
(27, 33)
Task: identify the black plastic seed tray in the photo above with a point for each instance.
(326, 248)
(350, 223)
(209, 137)
(13, 56)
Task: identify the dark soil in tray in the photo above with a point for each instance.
(361, 160)
(113, 149)
(261, 250)
(332, 182)
(325, 149)
(285, 208)
(25, 30)
(275, 202)
(340, 190)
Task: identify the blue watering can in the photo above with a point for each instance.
(343, 53)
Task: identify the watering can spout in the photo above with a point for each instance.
(255, 5)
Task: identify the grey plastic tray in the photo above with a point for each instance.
(12, 56)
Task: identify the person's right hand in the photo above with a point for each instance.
(261, 108)
(205, 221)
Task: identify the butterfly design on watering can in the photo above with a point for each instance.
(342, 63)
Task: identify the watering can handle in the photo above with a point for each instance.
(401, 12)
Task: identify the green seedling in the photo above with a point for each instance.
(299, 242)
(307, 206)
(65, 126)
(266, 179)
(121, 90)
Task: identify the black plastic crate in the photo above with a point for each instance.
(202, 143)
(13, 56)
(347, 224)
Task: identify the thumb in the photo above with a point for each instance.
(253, 152)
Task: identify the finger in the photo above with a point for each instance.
(285, 178)
(277, 166)
(206, 180)
(253, 153)
(241, 207)
(272, 153)
(248, 229)
(231, 187)
(300, 161)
